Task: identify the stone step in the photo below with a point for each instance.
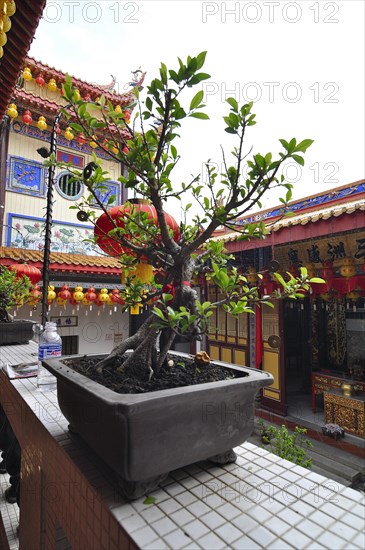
(331, 475)
(339, 456)
(334, 466)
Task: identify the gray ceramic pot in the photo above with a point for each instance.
(16, 332)
(142, 437)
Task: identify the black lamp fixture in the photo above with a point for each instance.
(44, 152)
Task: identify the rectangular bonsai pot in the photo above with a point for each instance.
(141, 436)
(16, 332)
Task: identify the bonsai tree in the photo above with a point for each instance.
(147, 148)
(13, 291)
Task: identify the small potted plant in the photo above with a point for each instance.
(14, 291)
(144, 434)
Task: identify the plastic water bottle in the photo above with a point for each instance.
(50, 346)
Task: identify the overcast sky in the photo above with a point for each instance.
(301, 62)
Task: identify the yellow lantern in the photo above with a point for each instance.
(135, 310)
(3, 38)
(12, 111)
(60, 301)
(77, 94)
(354, 295)
(69, 135)
(348, 267)
(85, 301)
(10, 7)
(27, 74)
(51, 295)
(118, 109)
(103, 295)
(78, 295)
(18, 300)
(109, 302)
(42, 124)
(1, 51)
(115, 150)
(252, 275)
(141, 271)
(52, 85)
(93, 143)
(6, 23)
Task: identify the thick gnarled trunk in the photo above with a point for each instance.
(149, 346)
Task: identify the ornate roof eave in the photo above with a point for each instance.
(62, 261)
(24, 23)
(44, 106)
(94, 90)
(314, 216)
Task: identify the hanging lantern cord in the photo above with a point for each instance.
(48, 222)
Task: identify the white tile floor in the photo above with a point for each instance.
(261, 502)
(9, 514)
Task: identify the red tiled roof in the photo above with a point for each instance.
(61, 261)
(23, 26)
(37, 67)
(43, 106)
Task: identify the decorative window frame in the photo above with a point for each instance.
(15, 186)
(114, 188)
(59, 190)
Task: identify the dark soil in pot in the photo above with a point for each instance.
(182, 373)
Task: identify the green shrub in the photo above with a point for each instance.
(289, 446)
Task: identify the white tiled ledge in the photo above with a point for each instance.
(261, 502)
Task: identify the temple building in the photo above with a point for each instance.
(313, 345)
(75, 261)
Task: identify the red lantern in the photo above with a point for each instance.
(327, 271)
(81, 139)
(58, 129)
(65, 293)
(119, 214)
(116, 297)
(33, 273)
(27, 117)
(40, 80)
(34, 296)
(91, 295)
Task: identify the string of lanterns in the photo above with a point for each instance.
(52, 86)
(7, 9)
(76, 296)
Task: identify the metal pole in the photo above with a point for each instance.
(48, 224)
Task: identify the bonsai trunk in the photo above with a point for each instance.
(146, 358)
(5, 317)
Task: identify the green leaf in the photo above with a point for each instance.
(233, 103)
(202, 116)
(303, 145)
(149, 500)
(173, 152)
(284, 143)
(198, 78)
(200, 60)
(298, 159)
(196, 101)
